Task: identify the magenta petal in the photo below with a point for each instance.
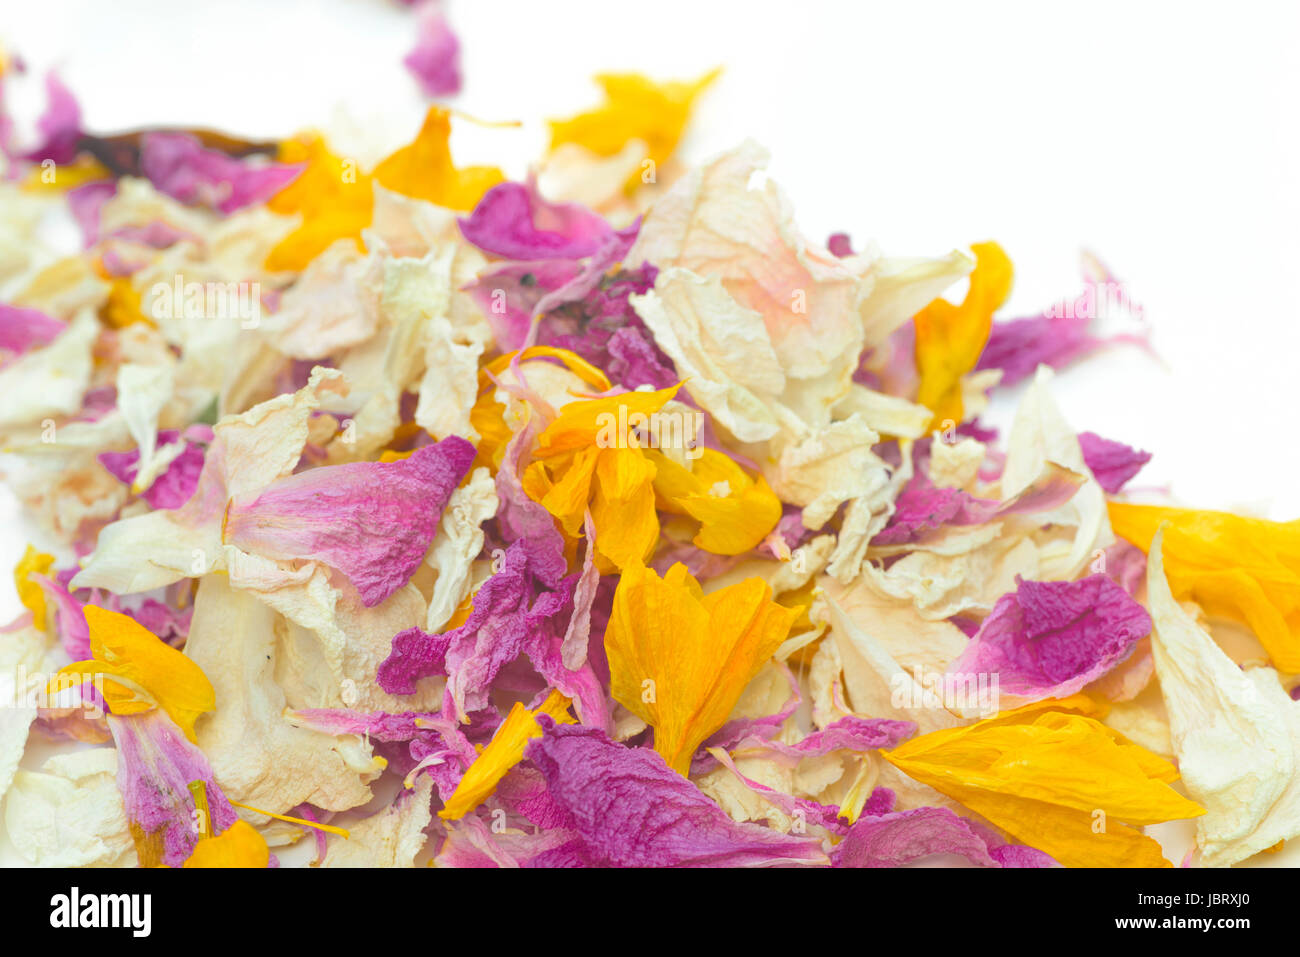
(372, 521)
(415, 654)
(1050, 639)
(379, 725)
(629, 809)
(922, 508)
(513, 221)
(1113, 463)
(511, 614)
(854, 733)
(74, 633)
(85, 203)
(1021, 855)
(520, 519)
(891, 840)
(155, 765)
(1056, 337)
(527, 607)
(172, 625)
(613, 249)
(180, 166)
(840, 245)
(435, 60)
(25, 329)
(1127, 565)
(598, 323)
(509, 294)
(849, 733)
(174, 487)
(59, 125)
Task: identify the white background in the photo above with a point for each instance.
(1164, 137)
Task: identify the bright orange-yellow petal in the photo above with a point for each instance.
(122, 307)
(735, 512)
(635, 108)
(503, 752)
(571, 360)
(332, 195)
(488, 417)
(1246, 569)
(680, 661)
(423, 169)
(121, 647)
(29, 592)
(1063, 783)
(609, 422)
(239, 845)
(84, 169)
(567, 497)
(949, 338)
(623, 508)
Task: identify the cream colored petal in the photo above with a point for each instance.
(956, 464)
(831, 466)
(885, 413)
(333, 306)
(876, 684)
(721, 348)
(392, 837)
(901, 287)
(457, 545)
(719, 221)
(1235, 733)
(967, 571)
(571, 173)
(917, 644)
(865, 518)
(48, 383)
(1039, 436)
(142, 393)
(70, 813)
(257, 756)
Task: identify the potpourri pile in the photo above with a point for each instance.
(599, 518)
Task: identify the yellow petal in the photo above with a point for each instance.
(332, 195)
(635, 108)
(84, 169)
(321, 183)
(949, 338)
(29, 592)
(623, 509)
(504, 751)
(1063, 783)
(567, 497)
(423, 168)
(609, 422)
(488, 417)
(680, 661)
(122, 307)
(121, 647)
(1246, 569)
(572, 361)
(735, 512)
(239, 845)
